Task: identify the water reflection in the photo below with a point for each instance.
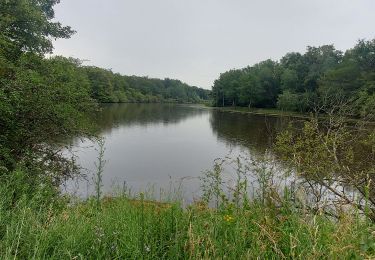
(161, 144)
(118, 115)
(255, 132)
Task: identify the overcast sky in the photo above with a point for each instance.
(196, 40)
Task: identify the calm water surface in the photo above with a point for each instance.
(156, 146)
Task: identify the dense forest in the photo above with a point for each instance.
(301, 82)
(107, 86)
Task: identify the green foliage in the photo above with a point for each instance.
(368, 108)
(124, 228)
(25, 186)
(28, 26)
(108, 87)
(331, 155)
(308, 148)
(253, 86)
(37, 224)
(46, 101)
(302, 82)
(289, 80)
(288, 101)
(42, 101)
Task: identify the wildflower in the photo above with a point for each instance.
(228, 218)
(99, 232)
(65, 215)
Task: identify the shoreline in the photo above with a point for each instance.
(279, 113)
(262, 111)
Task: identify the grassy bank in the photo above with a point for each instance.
(279, 113)
(123, 228)
(263, 111)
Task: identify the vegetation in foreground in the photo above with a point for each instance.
(39, 226)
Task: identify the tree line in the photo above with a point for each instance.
(300, 82)
(107, 86)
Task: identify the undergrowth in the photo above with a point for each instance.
(39, 225)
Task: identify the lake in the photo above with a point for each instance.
(163, 147)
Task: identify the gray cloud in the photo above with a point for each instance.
(196, 40)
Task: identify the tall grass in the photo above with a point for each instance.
(98, 178)
(129, 229)
(39, 225)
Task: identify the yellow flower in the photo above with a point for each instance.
(65, 215)
(228, 218)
